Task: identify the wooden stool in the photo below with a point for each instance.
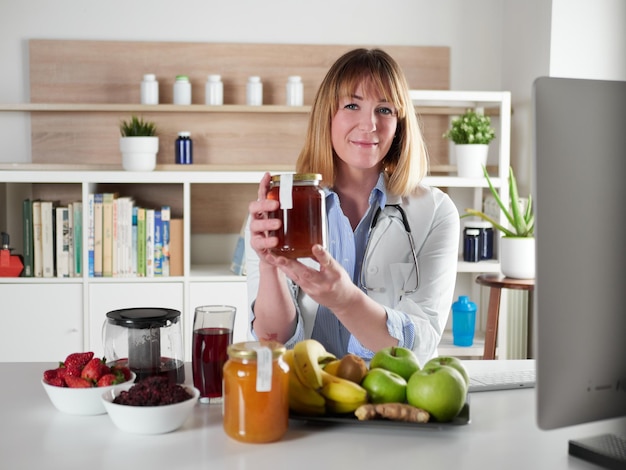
(497, 282)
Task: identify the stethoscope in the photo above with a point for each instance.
(407, 229)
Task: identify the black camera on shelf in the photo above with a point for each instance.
(10, 265)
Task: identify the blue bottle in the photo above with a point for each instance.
(184, 149)
(463, 321)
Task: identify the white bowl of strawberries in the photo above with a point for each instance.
(77, 385)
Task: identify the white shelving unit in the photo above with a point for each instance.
(71, 310)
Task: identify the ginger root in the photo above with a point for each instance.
(392, 411)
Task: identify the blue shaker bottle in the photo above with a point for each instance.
(463, 321)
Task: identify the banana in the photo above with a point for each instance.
(342, 395)
(302, 399)
(332, 366)
(307, 355)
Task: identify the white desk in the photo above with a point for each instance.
(502, 434)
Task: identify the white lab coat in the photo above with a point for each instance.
(434, 222)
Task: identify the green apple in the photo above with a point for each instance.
(452, 362)
(440, 390)
(384, 386)
(402, 361)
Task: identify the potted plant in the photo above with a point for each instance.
(471, 134)
(517, 245)
(139, 144)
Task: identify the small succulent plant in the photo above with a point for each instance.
(137, 127)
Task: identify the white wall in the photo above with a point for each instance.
(588, 39)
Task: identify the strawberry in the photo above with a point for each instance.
(48, 375)
(108, 379)
(95, 369)
(77, 382)
(75, 362)
(55, 376)
(121, 370)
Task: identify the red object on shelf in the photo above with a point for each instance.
(10, 265)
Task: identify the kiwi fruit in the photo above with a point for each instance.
(352, 367)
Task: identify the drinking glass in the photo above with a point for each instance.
(212, 333)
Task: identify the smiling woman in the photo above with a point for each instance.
(364, 139)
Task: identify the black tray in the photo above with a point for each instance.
(461, 419)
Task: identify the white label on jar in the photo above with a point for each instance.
(263, 369)
(286, 183)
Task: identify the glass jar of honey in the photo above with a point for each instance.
(302, 211)
(256, 388)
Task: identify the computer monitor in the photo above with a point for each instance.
(579, 187)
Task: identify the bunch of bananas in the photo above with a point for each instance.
(315, 391)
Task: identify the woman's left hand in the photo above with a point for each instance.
(330, 286)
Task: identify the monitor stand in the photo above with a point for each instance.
(607, 450)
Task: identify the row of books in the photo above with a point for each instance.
(123, 239)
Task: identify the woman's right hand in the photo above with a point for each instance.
(261, 224)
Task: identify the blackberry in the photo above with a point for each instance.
(153, 391)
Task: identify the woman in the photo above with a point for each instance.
(364, 138)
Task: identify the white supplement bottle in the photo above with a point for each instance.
(295, 94)
(182, 90)
(254, 91)
(149, 89)
(214, 90)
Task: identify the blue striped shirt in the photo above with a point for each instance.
(348, 248)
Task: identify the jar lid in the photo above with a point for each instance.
(149, 77)
(247, 349)
(214, 77)
(472, 231)
(142, 318)
(184, 134)
(300, 177)
(294, 78)
(478, 224)
(182, 77)
(254, 79)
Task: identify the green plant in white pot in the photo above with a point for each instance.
(471, 133)
(517, 245)
(139, 144)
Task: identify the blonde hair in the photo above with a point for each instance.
(406, 163)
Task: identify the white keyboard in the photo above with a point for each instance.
(484, 381)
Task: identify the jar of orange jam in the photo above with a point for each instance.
(256, 387)
(302, 211)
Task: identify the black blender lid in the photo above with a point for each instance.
(143, 317)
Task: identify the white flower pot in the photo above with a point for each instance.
(517, 257)
(139, 153)
(470, 159)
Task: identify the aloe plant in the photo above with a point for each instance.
(522, 221)
(137, 127)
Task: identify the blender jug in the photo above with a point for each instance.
(147, 340)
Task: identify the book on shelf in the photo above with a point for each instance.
(176, 247)
(27, 238)
(149, 242)
(141, 242)
(107, 233)
(90, 235)
(37, 241)
(97, 235)
(158, 244)
(134, 237)
(238, 262)
(63, 241)
(166, 215)
(122, 239)
(77, 238)
(47, 238)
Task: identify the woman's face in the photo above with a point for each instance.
(363, 128)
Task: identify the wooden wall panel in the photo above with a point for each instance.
(110, 72)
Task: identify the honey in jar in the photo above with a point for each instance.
(256, 388)
(302, 211)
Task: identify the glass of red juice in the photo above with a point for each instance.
(212, 333)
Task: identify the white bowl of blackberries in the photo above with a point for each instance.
(154, 405)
